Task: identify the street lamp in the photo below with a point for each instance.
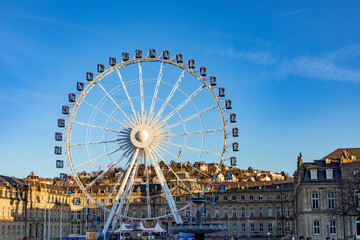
(268, 235)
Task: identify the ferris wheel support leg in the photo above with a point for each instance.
(165, 188)
(128, 186)
(117, 198)
(147, 187)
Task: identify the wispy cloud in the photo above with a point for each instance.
(317, 67)
(288, 13)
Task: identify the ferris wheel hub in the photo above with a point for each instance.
(142, 136)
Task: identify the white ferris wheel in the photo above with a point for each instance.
(133, 122)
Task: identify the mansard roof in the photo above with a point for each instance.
(336, 155)
(13, 182)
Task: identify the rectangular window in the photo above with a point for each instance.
(261, 214)
(234, 227)
(270, 227)
(225, 213)
(278, 212)
(329, 174)
(357, 199)
(268, 197)
(357, 174)
(234, 212)
(269, 212)
(315, 201)
(332, 227)
(217, 213)
(278, 197)
(287, 212)
(252, 226)
(313, 174)
(287, 227)
(208, 213)
(225, 198)
(252, 212)
(260, 197)
(177, 199)
(78, 215)
(242, 198)
(261, 227)
(233, 198)
(279, 227)
(243, 227)
(251, 197)
(316, 226)
(331, 200)
(243, 212)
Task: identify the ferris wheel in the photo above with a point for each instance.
(136, 124)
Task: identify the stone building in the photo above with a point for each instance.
(327, 196)
(315, 204)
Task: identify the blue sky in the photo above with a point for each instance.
(291, 69)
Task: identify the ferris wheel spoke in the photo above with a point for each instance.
(192, 133)
(164, 186)
(177, 157)
(159, 155)
(106, 170)
(147, 186)
(131, 182)
(122, 124)
(126, 92)
(99, 157)
(97, 142)
(93, 126)
(153, 102)
(117, 105)
(191, 148)
(183, 103)
(167, 100)
(192, 116)
(141, 91)
(120, 192)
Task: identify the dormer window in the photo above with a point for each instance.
(313, 174)
(329, 174)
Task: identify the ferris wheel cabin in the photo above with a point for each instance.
(165, 54)
(61, 122)
(65, 110)
(235, 132)
(58, 136)
(228, 104)
(138, 53)
(62, 177)
(125, 56)
(112, 61)
(68, 190)
(100, 68)
(203, 71)
(191, 63)
(58, 150)
(221, 92)
(76, 201)
(228, 175)
(222, 188)
(89, 76)
(212, 81)
(179, 58)
(80, 86)
(235, 146)
(233, 161)
(233, 118)
(152, 53)
(72, 97)
(59, 164)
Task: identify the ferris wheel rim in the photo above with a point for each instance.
(101, 76)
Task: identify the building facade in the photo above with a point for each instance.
(313, 205)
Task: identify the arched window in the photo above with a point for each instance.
(316, 227)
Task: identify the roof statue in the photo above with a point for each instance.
(345, 156)
(299, 160)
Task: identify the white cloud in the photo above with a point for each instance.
(318, 67)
